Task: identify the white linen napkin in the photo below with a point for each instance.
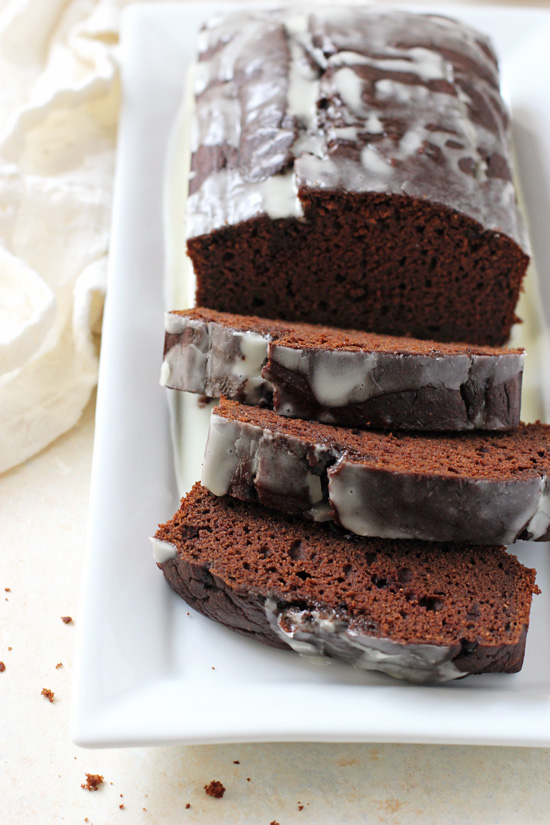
(59, 102)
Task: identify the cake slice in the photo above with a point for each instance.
(355, 379)
(474, 487)
(426, 613)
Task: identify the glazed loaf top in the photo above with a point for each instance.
(347, 100)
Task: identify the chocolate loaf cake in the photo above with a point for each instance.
(355, 379)
(476, 488)
(415, 611)
(352, 167)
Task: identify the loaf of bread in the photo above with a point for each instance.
(351, 167)
(481, 488)
(355, 379)
(426, 613)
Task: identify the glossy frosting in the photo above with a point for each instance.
(328, 482)
(349, 99)
(213, 359)
(321, 632)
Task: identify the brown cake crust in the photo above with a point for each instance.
(476, 487)
(346, 377)
(368, 186)
(257, 572)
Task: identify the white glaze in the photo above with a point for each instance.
(353, 510)
(165, 374)
(539, 523)
(338, 378)
(216, 359)
(224, 452)
(431, 508)
(321, 632)
(225, 197)
(359, 35)
(349, 87)
(374, 125)
(175, 324)
(427, 64)
(303, 79)
(163, 551)
(270, 463)
(185, 367)
(374, 163)
(254, 349)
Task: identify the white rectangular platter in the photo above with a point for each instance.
(150, 670)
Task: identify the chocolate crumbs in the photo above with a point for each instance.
(215, 789)
(93, 781)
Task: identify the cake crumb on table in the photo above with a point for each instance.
(188, 805)
(2, 667)
(236, 762)
(93, 781)
(58, 665)
(66, 619)
(215, 789)
(49, 694)
(121, 806)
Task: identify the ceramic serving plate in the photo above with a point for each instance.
(149, 669)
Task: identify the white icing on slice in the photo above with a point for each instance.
(164, 374)
(254, 355)
(303, 79)
(185, 366)
(221, 457)
(337, 378)
(349, 87)
(374, 125)
(225, 197)
(373, 162)
(427, 64)
(322, 633)
(163, 551)
(175, 324)
(540, 521)
(431, 508)
(280, 196)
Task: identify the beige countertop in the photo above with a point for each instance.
(43, 507)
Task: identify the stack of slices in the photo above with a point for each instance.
(350, 182)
